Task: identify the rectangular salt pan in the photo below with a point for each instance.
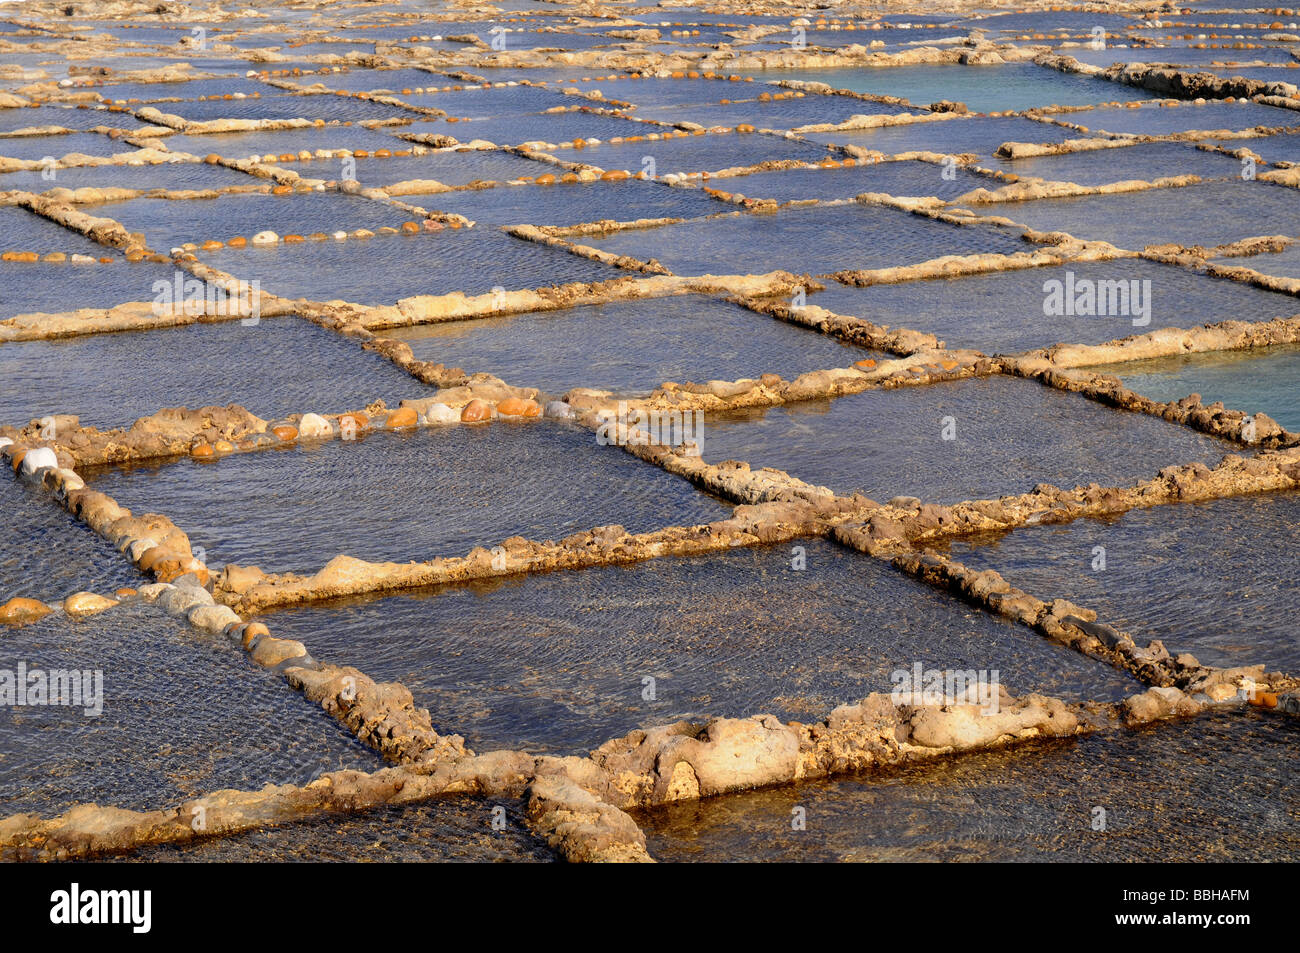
(1210, 789)
(1260, 380)
(47, 554)
(167, 223)
(413, 496)
(559, 662)
(1007, 435)
(817, 240)
(622, 345)
(1207, 578)
(1209, 214)
(1009, 312)
(474, 261)
(981, 88)
(273, 368)
(166, 731)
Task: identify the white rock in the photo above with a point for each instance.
(151, 592)
(212, 619)
(138, 547)
(69, 481)
(340, 236)
(5, 442)
(314, 425)
(38, 458)
(266, 238)
(441, 414)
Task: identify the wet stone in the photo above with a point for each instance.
(560, 662)
(620, 346)
(407, 496)
(165, 731)
(1008, 435)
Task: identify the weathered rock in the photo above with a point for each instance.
(971, 726)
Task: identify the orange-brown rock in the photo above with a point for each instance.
(476, 411)
(20, 611)
(401, 418)
(518, 407)
(252, 631)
